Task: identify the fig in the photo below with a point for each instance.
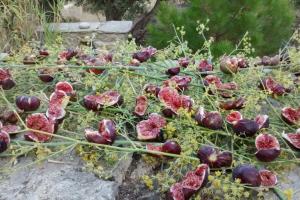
(9, 116)
(184, 62)
(178, 82)
(4, 141)
(268, 178)
(212, 80)
(242, 63)
(246, 127)
(205, 66)
(59, 98)
(108, 128)
(30, 60)
(44, 52)
(270, 85)
(229, 65)
(268, 148)
(167, 112)
(55, 113)
(293, 139)
(291, 115)
(173, 71)
(248, 174)
(96, 137)
(108, 57)
(145, 54)
(28, 103)
(40, 122)
(6, 81)
(233, 104)
(46, 75)
(190, 184)
(64, 86)
(141, 106)
(171, 146)
(91, 102)
(262, 121)
(173, 100)
(151, 89)
(67, 55)
(233, 117)
(110, 98)
(150, 129)
(272, 61)
(214, 158)
(212, 120)
(134, 62)
(10, 128)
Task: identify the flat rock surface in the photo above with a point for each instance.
(55, 181)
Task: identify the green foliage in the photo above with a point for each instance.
(269, 23)
(115, 9)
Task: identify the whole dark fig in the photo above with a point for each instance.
(4, 141)
(214, 158)
(213, 120)
(171, 147)
(28, 103)
(173, 71)
(248, 174)
(246, 127)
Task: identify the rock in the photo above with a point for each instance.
(119, 172)
(84, 25)
(57, 181)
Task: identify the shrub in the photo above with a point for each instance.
(268, 22)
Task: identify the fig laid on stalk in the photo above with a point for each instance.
(184, 62)
(110, 98)
(4, 141)
(8, 116)
(273, 87)
(10, 128)
(28, 103)
(171, 146)
(212, 80)
(151, 128)
(6, 81)
(246, 127)
(233, 117)
(191, 183)
(59, 98)
(55, 113)
(141, 105)
(248, 174)
(291, 115)
(179, 82)
(144, 54)
(151, 89)
(229, 65)
(233, 104)
(268, 148)
(46, 75)
(262, 121)
(293, 139)
(214, 157)
(268, 178)
(173, 71)
(67, 88)
(90, 102)
(40, 122)
(205, 66)
(212, 120)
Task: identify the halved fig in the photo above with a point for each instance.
(55, 113)
(173, 100)
(144, 54)
(4, 141)
(30, 59)
(95, 136)
(44, 52)
(67, 55)
(272, 61)
(152, 147)
(59, 98)
(40, 122)
(291, 115)
(108, 57)
(64, 86)
(268, 178)
(6, 81)
(91, 102)
(229, 65)
(46, 75)
(108, 129)
(178, 82)
(293, 139)
(212, 120)
(184, 62)
(242, 63)
(173, 71)
(214, 157)
(246, 127)
(205, 66)
(10, 128)
(9, 116)
(28, 103)
(270, 85)
(212, 80)
(233, 117)
(233, 104)
(141, 105)
(150, 129)
(151, 89)
(171, 146)
(268, 148)
(190, 184)
(110, 98)
(262, 121)
(248, 174)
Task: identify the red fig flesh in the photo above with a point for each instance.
(150, 129)
(293, 139)
(178, 82)
(291, 115)
(268, 148)
(268, 178)
(234, 117)
(141, 106)
(205, 66)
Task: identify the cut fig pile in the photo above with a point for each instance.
(206, 126)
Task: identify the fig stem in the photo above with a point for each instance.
(279, 193)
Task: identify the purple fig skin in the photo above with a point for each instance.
(8, 84)
(9, 117)
(167, 112)
(248, 174)
(267, 155)
(107, 128)
(4, 141)
(214, 158)
(173, 71)
(262, 121)
(213, 120)
(96, 137)
(28, 103)
(151, 89)
(90, 104)
(171, 147)
(246, 127)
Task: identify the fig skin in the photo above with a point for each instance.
(267, 155)
(173, 71)
(213, 120)
(89, 104)
(167, 112)
(4, 141)
(214, 158)
(268, 178)
(263, 121)
(184, 62)
(151, 89)
(171, 147)
(246, 127)
(248, 174)
(28, 103)
(229, 65)
(7, 84)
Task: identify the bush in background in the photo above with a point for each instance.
(269, 23)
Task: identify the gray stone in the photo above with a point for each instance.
(84, 25)
(56, 181)
(116, 27)
(119, 172)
